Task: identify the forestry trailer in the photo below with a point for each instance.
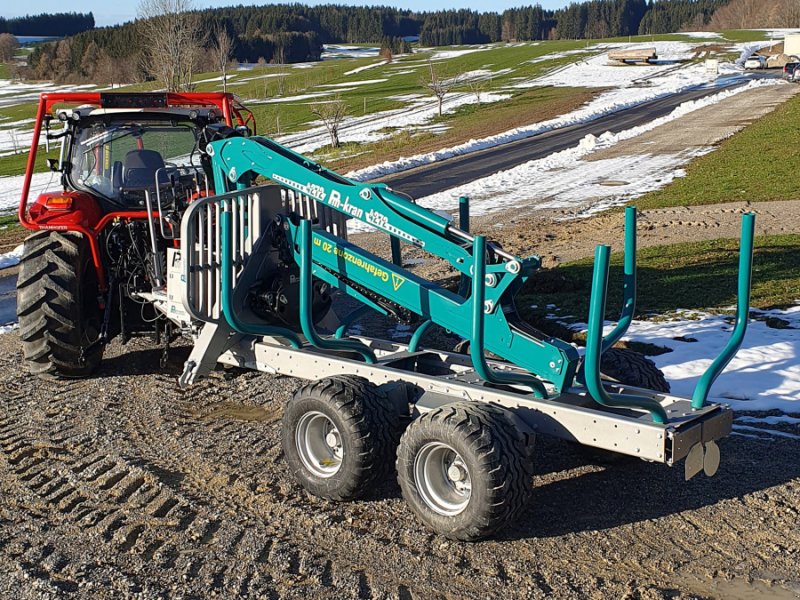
(173, 219)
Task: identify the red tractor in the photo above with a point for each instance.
(129, 166)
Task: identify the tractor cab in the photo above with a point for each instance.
(126, 158)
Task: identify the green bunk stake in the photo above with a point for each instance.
(476, 343)
(350, 319)
(594, 346)
(463, 282)
(413, 344)
(306, 318)
(629, 285)
(742, 313)
(228, 311)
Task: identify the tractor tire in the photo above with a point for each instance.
(465, 469)
(633, 368)
(340, 436)
(57, 305)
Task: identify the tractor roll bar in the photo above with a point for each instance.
(228, 103)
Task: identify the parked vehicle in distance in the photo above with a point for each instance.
(789, 69)
(796, 75)
(755, 62)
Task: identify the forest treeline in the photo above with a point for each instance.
(55, 25)
(290, 33)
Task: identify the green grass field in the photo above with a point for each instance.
(757, 164)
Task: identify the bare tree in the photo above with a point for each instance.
(331, 113)
(439, 86)
(787, 12)
(478, 87)
(222, 51)
(172, 37)
(8, 47)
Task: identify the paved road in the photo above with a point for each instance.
(445, 175)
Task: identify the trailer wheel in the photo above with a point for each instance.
(340, 436)
(465, 469)
(633, 368)
(57, 305)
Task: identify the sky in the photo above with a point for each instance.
(110, 13)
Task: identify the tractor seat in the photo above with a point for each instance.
(139, 170)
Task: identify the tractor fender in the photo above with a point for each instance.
(65, 211)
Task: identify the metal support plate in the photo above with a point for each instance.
(434, 379)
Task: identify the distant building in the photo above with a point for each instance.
(791, 44)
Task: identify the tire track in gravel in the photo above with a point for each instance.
(281, 502)
(131, 485)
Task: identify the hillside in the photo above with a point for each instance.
(294, 33)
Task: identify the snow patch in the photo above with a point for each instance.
(763, 376)
(377, 126)
(9, 259)
(11, 188)
(447, 54)
(365, 67)
(353, 83)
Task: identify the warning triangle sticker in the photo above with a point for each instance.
(397, 281)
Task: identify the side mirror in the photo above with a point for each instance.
(52, 164)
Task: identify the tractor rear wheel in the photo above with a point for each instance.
(465, 469)
(340, 436)
(57, 307)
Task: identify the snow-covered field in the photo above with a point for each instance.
(630, 86)
(10, 188)
(415, 115)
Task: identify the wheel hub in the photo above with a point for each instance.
(319, 444)
(442, 479)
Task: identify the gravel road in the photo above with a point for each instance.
(126, 486)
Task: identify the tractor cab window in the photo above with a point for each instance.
(114, 160)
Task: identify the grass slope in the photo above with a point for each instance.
(693, 276)
(757, 164)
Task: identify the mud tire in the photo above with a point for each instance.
(368, 424)
(496, 454)
(57, 305)
(633, 368)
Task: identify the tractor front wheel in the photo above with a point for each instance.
(59, 317)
